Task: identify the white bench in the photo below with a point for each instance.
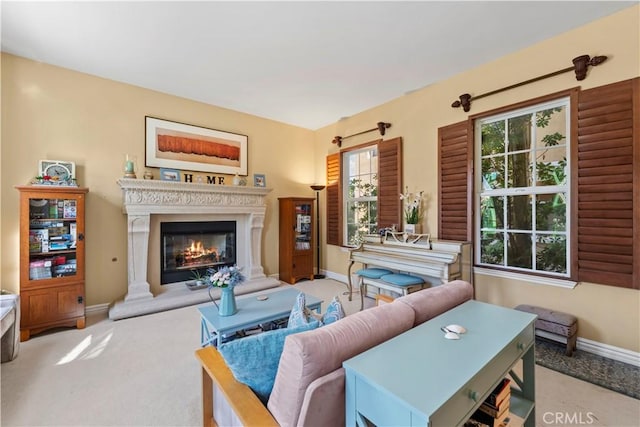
(397, 283)
(10, 324)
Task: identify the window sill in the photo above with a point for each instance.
(538, 280)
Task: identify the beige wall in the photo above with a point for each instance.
(606, 314)
(49, 112)
(54, 113)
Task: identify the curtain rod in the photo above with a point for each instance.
(381, 126)
(580, 66)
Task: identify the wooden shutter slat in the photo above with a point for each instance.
(605, 222)
(609, 179)
(625, 114)
(603, 197)
(605, 170)
(605, 161)
(614, 134)
(605, 144)
(607, 231)
(606, 249)
(587, 256)
(611, 152)
(606, 197)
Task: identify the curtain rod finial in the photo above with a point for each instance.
(382, 126)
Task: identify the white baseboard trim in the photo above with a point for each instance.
(97, 309)
(598, 348)
(609, 351)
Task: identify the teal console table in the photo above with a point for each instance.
(421, 378)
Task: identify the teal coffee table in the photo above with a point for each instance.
(215, 329)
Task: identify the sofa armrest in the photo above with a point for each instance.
(246, 406)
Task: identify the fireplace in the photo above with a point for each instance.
(149, 203)
(190, 247)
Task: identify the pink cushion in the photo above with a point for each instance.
(434, 301)
(309, 355)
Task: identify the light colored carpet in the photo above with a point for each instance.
(143, 372)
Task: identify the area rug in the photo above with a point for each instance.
(604, 372)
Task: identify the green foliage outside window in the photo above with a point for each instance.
(522, 156)
(362, 209)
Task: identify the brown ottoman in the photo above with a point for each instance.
(556, 323)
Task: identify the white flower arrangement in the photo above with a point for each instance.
(227, 276)
(413, 206)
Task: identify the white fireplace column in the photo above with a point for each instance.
(137, 257)
(256, 223)
(144, 198)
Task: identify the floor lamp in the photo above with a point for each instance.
(318, 188)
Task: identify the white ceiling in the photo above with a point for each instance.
(303, 63)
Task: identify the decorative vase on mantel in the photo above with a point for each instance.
(413, 228)
(227, 302)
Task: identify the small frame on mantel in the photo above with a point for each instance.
(259, 180)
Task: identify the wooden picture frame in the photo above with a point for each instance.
(169, 175)
(182, 146)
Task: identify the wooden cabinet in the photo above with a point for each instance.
(296, 238)
(51, 258)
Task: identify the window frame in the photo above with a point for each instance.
(346, 199)
(533, 190)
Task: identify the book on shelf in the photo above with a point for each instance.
(39, 240)
(475, 423)
(73, 232)
(495, 410)
(502, 390)
(488, 420)
(40, 269)
(69, 210)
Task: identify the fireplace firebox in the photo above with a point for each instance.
(190, 247)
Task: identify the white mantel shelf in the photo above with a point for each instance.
(143, 198)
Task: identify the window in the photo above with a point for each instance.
(603, 223)
(360, 177)
(523, 189)
(363, 187)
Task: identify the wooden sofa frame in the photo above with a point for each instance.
(242, 400)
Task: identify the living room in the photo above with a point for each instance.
(57, 113)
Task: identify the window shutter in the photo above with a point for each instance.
(333, 211)
(608, 180)
(455, 156)
(389, 182)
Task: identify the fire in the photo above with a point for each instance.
(196, 251)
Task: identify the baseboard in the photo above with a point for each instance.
(97, 309)
(609, 351)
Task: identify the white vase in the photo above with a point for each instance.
(413, 228)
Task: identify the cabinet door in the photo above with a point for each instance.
(45, 305)
(302, 266)
(303, 235)
(52, 231)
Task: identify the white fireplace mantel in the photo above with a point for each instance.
(144, 198)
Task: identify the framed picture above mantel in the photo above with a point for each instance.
(182, 146)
